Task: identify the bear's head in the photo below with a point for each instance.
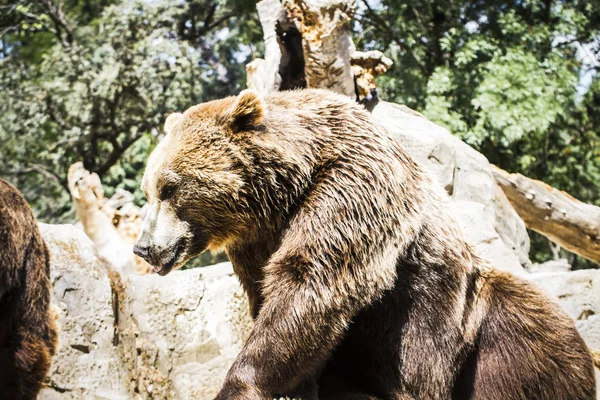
(195, 182)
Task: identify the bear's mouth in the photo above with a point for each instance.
(164, 269)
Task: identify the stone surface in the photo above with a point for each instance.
(578, 293)
(175, 337)
(560, 265)
(86, 364)
(476, 202)
(180, 333)
(139, 337)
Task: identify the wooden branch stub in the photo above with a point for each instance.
(366, 66)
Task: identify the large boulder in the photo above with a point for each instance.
(174, 337)
(578, 293)
(476, 202)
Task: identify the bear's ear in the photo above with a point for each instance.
(247, 111)
(171, 120)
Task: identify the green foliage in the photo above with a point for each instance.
(504, 76)
(127, 172)
(93, 82)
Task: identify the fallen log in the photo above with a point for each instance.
(555, 214)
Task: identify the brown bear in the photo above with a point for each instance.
(360, 283)
(28, 332)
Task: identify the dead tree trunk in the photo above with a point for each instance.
(554, 214)
(263, 74)
(308, 45)
(325, 29)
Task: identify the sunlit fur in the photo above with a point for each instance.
(360, 283)
(28, 332)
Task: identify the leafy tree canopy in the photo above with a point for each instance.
(93, 81)
(515, 79)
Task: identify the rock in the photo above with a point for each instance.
(140, 337)
(175, 337)
(180, 333)
(560, 265)
(86, 364)
(578, 293)
(476, 202)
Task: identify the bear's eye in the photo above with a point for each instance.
(167, 192)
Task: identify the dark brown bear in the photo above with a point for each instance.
(28, 334)
(360, 283)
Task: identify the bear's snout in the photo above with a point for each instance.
(142, 250)
(163, 259)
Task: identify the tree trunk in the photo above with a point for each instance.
(308, 45)
(554, 214)
(263, 74)
(325, 29)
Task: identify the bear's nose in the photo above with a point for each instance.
(141, 251)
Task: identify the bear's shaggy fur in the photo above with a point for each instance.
(28, 333)
(360, 283)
